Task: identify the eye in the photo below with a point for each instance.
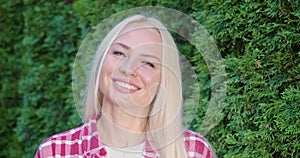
(119, 53)
(149, 64)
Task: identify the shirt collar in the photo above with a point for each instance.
(96, 149)
(149, 152)
(93, 147)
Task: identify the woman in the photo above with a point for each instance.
(134, 99)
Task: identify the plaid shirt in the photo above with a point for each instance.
(83, 142)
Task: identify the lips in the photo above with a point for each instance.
(125, 86)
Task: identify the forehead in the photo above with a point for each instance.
(133, 36)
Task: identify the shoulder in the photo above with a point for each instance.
(56, 144)
(197, 145)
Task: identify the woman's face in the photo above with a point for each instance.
(131, 71)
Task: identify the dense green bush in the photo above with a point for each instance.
(38, 46)
(10, 71)
(259, 41)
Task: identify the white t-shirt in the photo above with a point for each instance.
(130, 152)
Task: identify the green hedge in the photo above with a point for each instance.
(259, 41)
(38, 45)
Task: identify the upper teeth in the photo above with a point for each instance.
(125, 85)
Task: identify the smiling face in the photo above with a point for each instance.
(131, 70)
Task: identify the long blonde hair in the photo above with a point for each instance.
(164, 129)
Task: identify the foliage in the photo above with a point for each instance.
(38, 46)
(259, 41)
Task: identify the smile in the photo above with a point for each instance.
(126, 85)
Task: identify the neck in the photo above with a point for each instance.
(117, 128)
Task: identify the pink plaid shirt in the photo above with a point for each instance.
(83, 142)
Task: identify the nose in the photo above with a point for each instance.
(128, 69)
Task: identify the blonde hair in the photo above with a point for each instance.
(164, 129)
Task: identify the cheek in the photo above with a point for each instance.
(151, 78)
(106, 71)
(153, 83)
(108, 65)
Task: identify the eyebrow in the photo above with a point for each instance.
(151, 56)
(123, 45)
(144, 55)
